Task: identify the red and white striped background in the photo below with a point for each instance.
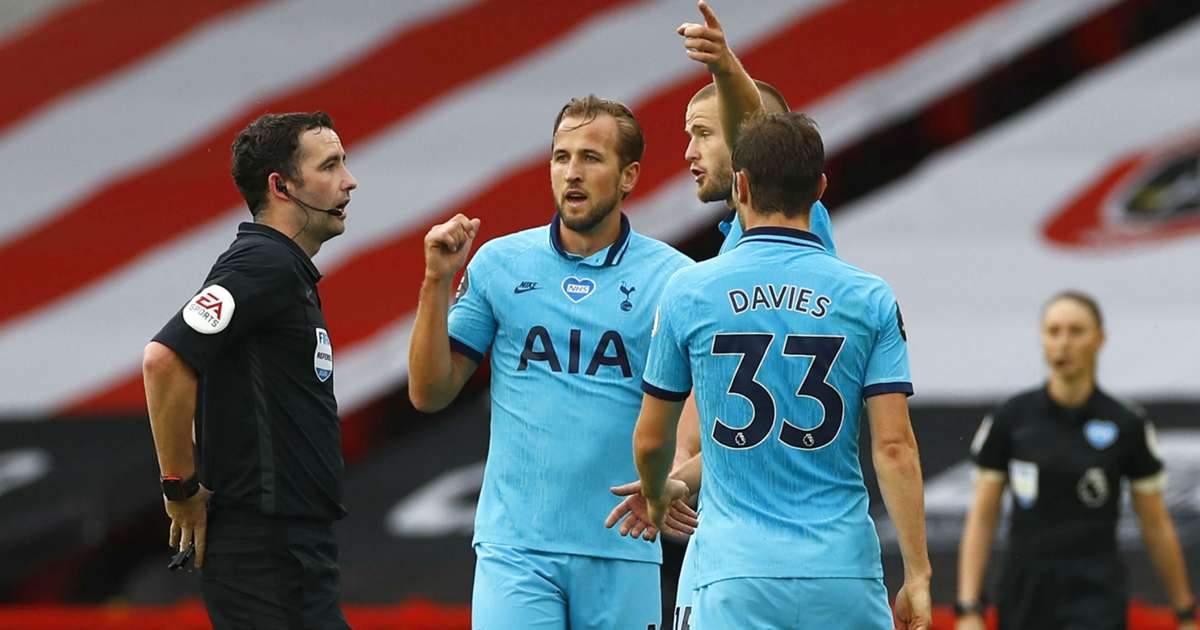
(118, 114)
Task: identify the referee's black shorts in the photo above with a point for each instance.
(267, 573)
(1080, 593)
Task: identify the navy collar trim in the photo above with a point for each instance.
(616, 251)
(789, 236)
(273, 234)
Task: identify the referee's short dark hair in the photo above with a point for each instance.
(783, 157)
(268, 145)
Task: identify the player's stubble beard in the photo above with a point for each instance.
(716, 187)
(588, 222)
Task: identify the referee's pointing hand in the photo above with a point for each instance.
(447, 246)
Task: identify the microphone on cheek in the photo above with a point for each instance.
(337, 212)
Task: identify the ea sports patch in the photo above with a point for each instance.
(210, 311)
(577, 289)
(1100, 433)
(323, 356)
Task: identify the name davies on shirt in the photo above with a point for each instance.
(785, 297)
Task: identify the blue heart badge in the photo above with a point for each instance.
(1100, 433)
(577, 289)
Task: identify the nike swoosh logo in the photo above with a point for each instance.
(522, 288)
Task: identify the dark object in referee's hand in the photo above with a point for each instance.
(181, 558)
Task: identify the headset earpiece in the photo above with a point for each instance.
(280, 187)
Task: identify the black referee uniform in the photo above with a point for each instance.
(1064, 469)
(268, 435)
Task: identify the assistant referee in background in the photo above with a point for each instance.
(1063, 451)
(249, 361)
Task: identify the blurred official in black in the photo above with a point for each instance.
(1063, 450)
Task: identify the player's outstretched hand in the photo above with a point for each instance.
(914, 608)
(447, 246)
(706, 42)
(681, 520)
(189, 522)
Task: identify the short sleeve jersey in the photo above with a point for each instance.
(818, 220)
(568, 338)
(1064, 468)
(780, 342)
(266, 418)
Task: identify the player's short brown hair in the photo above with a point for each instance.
(782, 156)
(773, 101)
(631, 144)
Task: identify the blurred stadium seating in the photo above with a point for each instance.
(983, 154)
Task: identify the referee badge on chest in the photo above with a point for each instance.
(1023, 479)
(1093, 488)
(1100, 433)
(323, 356)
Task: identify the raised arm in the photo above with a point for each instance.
(436, 374)
(898, 467)
(975, 548)
(1158, 532)
(737, 96)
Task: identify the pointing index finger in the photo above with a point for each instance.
(710, 18)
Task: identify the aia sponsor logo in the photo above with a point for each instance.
(1149, 196)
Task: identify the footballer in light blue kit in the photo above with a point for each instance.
(565, 311)
(708, 154)
(702, 117)
(781, 343)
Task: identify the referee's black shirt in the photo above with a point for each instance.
(1064, 469)
(267, 423)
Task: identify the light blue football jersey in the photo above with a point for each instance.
(782, 342)
(568, 338)
(818, 223)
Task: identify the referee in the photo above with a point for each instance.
(1063, 450)
(239, 386)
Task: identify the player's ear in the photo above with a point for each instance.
(821, 184)
(629, 177)
(741, 188)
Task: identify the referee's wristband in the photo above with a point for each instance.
(1186, 614)
(962, 609)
